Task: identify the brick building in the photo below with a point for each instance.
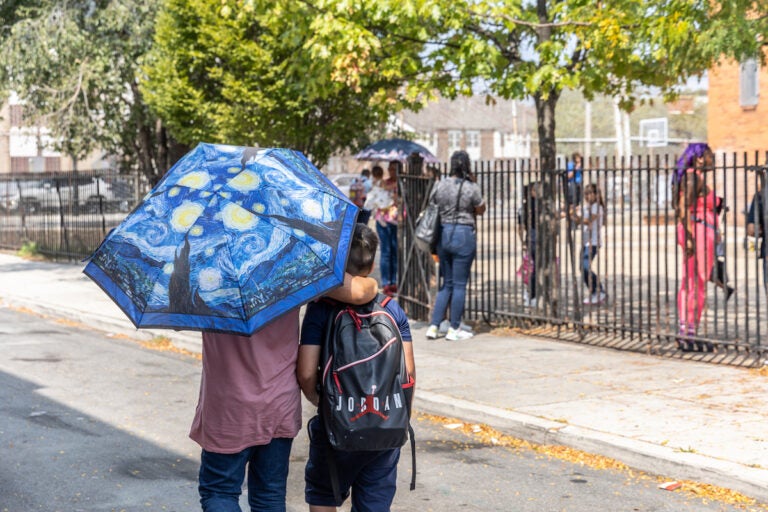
(498, 129)
(738, 108)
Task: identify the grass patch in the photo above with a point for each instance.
(30, 251)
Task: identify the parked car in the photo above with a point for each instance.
(18, 195)
(85, 193)
(342, 181)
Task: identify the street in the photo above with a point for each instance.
(90, 422)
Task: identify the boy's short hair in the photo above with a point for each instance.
(362, 251)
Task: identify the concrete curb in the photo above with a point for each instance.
(646, 457)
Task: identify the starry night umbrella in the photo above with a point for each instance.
(395, 149)
(231, 238)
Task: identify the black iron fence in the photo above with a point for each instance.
(65, 215)
(639, 263)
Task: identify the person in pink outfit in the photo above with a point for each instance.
(697, 232)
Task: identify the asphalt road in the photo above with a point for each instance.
(93, 423)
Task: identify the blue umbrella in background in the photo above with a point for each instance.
(231, 238)
(395, 149)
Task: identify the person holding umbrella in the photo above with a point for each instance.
(249, 408)
(232, 242)
(387, 218)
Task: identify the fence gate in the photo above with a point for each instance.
(416, 279)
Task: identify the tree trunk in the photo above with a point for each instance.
(548, 223)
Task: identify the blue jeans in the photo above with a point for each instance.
(457, 249)
(221, 478)
(588, 253)
(388, 259)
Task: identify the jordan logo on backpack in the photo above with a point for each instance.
(365, 388)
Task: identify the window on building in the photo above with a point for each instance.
(473, 139)
(19, 164)
(748, 86)
(52, 164)
(454, 140)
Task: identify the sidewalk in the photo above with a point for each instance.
(681, 419)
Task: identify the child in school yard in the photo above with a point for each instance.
(369, 476)
(591, 220)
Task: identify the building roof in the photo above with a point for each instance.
(473, 113)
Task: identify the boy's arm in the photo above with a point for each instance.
(355, 290)
(306, 371)
(410, 362)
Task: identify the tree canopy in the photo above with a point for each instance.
(538, 48)
(74, 65)
(242, 72)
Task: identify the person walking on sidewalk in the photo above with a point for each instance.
(591, 220)
(459, 200)
(371, 475)
(249, 409)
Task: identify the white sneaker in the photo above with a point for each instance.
(431, 332)
(457, 335)
(597, 298)
(445, 325)
(532, 303)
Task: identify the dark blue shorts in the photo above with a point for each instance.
(370, 476)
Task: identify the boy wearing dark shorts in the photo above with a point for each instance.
(369, 476)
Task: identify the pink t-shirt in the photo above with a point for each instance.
(249, 393)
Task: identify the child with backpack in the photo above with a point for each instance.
(356, 364)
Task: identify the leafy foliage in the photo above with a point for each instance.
(244, 72)
(74, 64)
(538, 49)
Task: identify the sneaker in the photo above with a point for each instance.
(431, 332)
(445, 325)
(597, 298)
(457, 335)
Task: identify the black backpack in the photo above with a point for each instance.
(365, 390)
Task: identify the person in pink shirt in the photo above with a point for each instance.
(697, 232)
(249, 409)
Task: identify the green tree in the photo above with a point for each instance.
(241, 72)
(538, 48)
(74, 64)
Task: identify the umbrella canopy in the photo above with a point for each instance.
(395, 149)
(231, 238)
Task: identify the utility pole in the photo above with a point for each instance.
(587, 130)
